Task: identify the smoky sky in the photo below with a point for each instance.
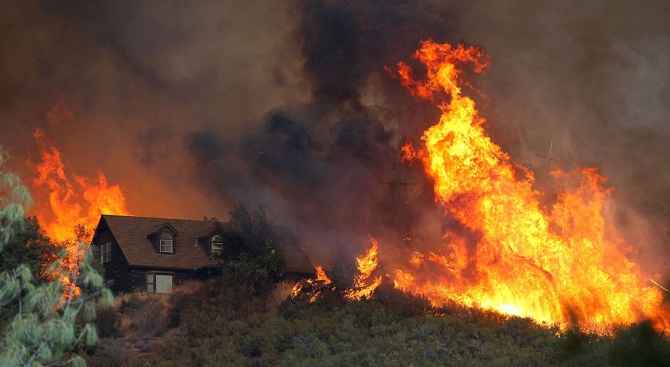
(193, 107)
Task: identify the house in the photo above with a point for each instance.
(153, 254)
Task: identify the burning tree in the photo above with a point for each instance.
(42, 329)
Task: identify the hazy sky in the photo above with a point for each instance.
(194, 106)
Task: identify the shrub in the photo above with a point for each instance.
(281, 292)
(177, 300)
(109, 353)
(144, 313)
(107, 321)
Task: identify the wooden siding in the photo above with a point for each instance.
(116, 270)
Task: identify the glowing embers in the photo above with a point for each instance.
(556, 265)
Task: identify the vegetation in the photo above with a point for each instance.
(248, 317)
(208, 325)
(252, 263)
(43, 324)
(31, 247)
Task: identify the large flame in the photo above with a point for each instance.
(70, 205)
(561, 265)
(68, 212)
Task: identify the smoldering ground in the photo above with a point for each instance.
(193, 107)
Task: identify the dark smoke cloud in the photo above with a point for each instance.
(195, 106)
(325, 165)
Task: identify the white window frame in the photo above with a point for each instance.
(105, 252)
(159, 283)
(166, 246)
(218, 240)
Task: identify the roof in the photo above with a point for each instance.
(131, 232)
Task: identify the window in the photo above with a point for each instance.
(105, 252)
(217, 244)
(166, 245)
(159, 283)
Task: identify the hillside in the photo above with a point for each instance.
(216, 324)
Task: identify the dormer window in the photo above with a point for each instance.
(217, 244)
(167, 243)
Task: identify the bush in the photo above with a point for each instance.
(281, 292)
(177, 300)
(109, 353)
(107, 321)
(144, 313)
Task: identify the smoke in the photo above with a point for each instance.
(585, 86)
(194, 107)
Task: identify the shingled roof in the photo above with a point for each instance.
(131, 232)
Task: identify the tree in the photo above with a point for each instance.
(30, 246)
(14, 198)
(251, 230)
(43, 330)
(252, 259)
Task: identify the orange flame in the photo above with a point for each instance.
(315, 286)
(562, 266)
(366, 264)
(69, 213)
(65, 210)
(321, 275)
(67, 202)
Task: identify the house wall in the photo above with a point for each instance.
(116, 270)
(138, 276)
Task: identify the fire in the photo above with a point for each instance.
(559, 265)
(72, 204)
(321, 275)
(366, 264)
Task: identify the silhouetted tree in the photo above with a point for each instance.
(251, 257)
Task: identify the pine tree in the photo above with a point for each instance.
(45, 327)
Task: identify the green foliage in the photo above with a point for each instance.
(251, 260)
(14, 199)
(636, 345)
(31, 247)
(219, 326)
(43, 330)
(335, 332)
